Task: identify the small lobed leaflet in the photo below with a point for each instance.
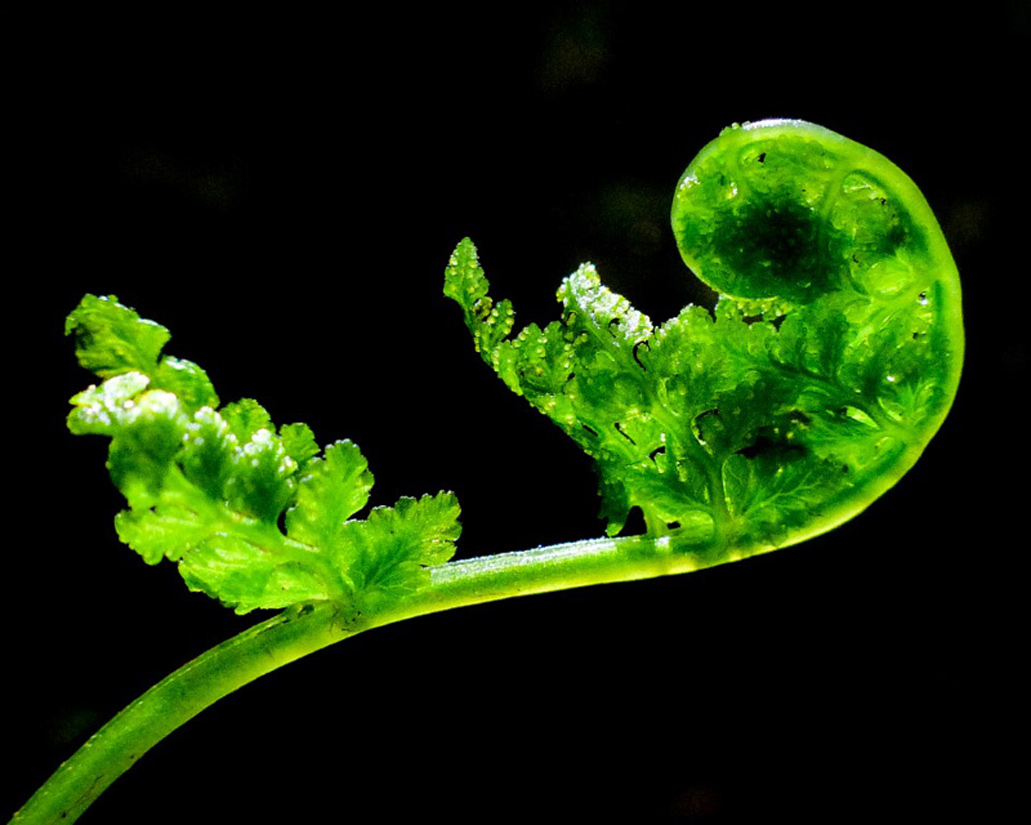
(209, 487)
(831, 358)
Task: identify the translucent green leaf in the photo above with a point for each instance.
(143, 449)
(387, 555)
(208, 453)
(208, 488)
(299, 442)
(102, 410)
(183, 518)
(777, 492)
(465, 283)
(247, 575)
(111, 339)
(333, 489)
(260, 483)
(245, 418)
(188, 382)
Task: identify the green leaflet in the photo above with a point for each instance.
(830, 360)
(209, 488)
(389, 552)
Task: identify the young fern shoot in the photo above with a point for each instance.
(831, 359)
(833, 356)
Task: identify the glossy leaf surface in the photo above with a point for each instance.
(209, 488)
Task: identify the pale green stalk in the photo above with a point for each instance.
(304, 629)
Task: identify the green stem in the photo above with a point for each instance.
(174, 701)
(304, 629)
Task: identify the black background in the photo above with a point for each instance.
(282, 190)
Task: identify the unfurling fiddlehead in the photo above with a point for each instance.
(831, 358)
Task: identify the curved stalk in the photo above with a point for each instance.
(304, 629)
(175, 700)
